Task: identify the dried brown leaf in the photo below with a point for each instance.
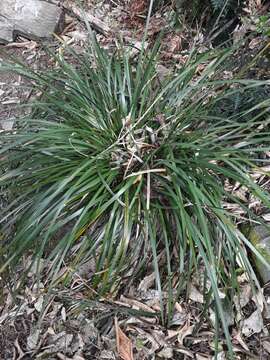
(175, 44)
(245, 295)
(138, 7)
(147, 282)
(238, 338)
(253, 324)
(202, 357)
(266, 346)
(166, 353)
(39, 303)
(136, 304)
(123, 343)
(32, 340)
(195, 295)
(186, 330)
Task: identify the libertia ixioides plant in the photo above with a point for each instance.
(116, 165)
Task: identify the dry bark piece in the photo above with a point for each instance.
(85, 16)
(33, 19)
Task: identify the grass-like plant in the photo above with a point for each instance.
(120, 166)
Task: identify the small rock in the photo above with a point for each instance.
(260, 239)
(33, 19)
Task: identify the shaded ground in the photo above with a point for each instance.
(16, 91)
(69, 325)
(11, 94)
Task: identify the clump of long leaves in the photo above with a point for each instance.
(117, 165)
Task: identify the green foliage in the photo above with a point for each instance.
(219, 5)
(198, 6)
(117, 166)
(217, 17)
(263, 25)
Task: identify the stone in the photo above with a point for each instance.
(32, 19)
(6, 31)
(259, 236)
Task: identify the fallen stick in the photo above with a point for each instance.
(84, 16)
